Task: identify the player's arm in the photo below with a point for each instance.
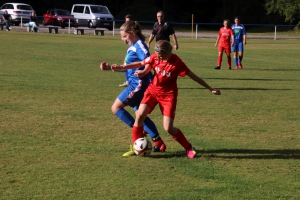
(141, 73)
(150, 40)
(244, 38)
(217, 41)
(105, 66)
(175, 41)
(129, 66)
(203, 83)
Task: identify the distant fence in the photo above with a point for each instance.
(195, 29)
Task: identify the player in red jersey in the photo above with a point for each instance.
(163, 91)
(224, 36)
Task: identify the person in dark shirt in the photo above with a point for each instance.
(32, 22)
(6, 19)
(162, 31)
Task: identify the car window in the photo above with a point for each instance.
(87, 10)
(52, 12)
(100, 9)
(63, 12)
(78, 9)
(24, 7)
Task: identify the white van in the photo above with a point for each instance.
(92, 16)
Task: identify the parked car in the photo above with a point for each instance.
(91, 15)
(20, 12)
(59, 17)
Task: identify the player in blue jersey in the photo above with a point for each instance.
(239, 32)
(132, 95)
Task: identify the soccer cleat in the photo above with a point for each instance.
(159, 148)
(229, 68)
(240, 65)
(191, 152)
(236, 67)
(217, 67)
(129, 153)
(125, 84)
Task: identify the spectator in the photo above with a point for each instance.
(128, 18)
(6, 20)
(239, 32)
(32, 22)
(224, 36)
(162, 31)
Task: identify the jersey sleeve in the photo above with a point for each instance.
(149, 60)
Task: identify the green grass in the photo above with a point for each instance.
(59, 139)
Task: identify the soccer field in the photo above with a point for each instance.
(59, 139)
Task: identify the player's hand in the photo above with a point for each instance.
(176, 46)
(105, 66)
(139, 73)
(216, 92)
(115, 67)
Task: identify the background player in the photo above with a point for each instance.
(239, 32)
(224, 36)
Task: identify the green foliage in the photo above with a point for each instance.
(290, 9)
(59, 139)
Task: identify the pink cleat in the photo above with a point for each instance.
(191, 152)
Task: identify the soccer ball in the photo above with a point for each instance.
(142, 147)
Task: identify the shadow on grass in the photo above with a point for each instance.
(252, 79)
(236, 154)
(263, 89)
(252, 153)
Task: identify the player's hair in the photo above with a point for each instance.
(129, 16)
(237, 17)
(227, 20)
(133, 26)
(163, 47)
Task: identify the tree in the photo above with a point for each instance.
(290, 9)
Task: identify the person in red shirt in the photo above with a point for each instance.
(163, 90)
(224, 36)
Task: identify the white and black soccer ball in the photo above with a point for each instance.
(142, 147)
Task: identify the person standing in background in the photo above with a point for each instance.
(162, 30)
(239, 32)
(224, 36)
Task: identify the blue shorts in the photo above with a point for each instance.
(238, 46)
(133, 94)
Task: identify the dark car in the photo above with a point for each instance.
(59, 17)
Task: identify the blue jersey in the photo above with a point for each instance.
(239, 31)
(136, 53)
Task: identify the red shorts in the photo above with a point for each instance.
(167, 103)
(227, 49)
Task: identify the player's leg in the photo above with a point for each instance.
(220, 56)
(228, 51)
(179, 137)
(168, 108)
(235, 55)
(240, 54)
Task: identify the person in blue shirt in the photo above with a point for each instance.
(239, 32)
(133, 94)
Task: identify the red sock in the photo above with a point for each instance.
(137, 132)
(219, 61)
(179, 137)
(229, 61)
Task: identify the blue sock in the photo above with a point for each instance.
(123, 115)
(150, 127)
(235, 61)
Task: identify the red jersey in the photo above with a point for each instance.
(165, 74)
(225, 35)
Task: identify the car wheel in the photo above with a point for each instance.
(90, 25)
